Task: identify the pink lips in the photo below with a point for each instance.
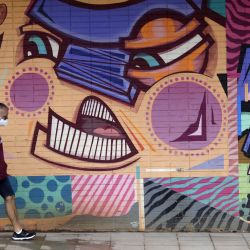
(108, 131)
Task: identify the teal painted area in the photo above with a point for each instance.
(39, 43)
(41, 196)
(138, 173)
(245, 121)
(152, 62)
(218, 6)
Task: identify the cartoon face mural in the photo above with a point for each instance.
(134, 83)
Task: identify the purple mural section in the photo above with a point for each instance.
(186, 111)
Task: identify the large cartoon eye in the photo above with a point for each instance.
(40, 45)
(145, 61)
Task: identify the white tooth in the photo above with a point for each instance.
(98, 148)
(81, 144)
(58, 135)
(69, 140)
(123, 147)
(75, 143)
(104, 147)
(104, 113)
(53, 131)
(100, 112)
(93, 147)
(118, 149)
(93, 110)
(110, 118)
(128, 151)
(107, 116)
(64, 137)
(84, 109)
(113, 150)
(89, 107)
(97, 110)
(87, 146)
(108, 156)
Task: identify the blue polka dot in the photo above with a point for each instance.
(52, 185)
(60, 207)
(48, 215)
(36, 195)
(63, 178)
(2, 211)
(44, 206)
(13, 182)
(25, 184)
(32, 213)
(20, 203)
(36, 179)
(66, 193)
(50, 199)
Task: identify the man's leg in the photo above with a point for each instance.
(12, 213)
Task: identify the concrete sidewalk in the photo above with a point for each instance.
(130, 241)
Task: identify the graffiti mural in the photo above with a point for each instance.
(123, 113)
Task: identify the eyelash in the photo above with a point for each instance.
(37, 45)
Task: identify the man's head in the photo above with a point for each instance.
(4, 110)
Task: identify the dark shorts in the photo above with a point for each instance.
(5, 188)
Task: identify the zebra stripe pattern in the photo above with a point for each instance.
(219, 192)
(238, 31)
(169, 210)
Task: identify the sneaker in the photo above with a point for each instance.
(24, 235)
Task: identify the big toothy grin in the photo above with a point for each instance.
(97, 135)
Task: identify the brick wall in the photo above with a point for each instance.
(127, 115)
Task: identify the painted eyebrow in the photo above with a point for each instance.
(37, 28)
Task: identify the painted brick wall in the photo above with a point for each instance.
(127, 115)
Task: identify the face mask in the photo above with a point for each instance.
(3, 122)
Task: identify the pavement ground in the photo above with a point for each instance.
(130, 241)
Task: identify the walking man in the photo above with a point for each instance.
(6, 190)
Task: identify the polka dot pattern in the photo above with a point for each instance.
(41, 197)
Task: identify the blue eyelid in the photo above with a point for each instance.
(40, 44)
(152, 62)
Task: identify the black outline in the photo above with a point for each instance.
(33, 146)
(1, 39)
(4, 6)
(101, 6)
(71, 124)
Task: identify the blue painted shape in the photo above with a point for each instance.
(52, 185)
(20, 203)
(63, 178)
(60, 207)
(25, 184)
(216, 163)
(243, 79)
(101, 70)
(66, 193)
(246, 146)
(36, 195)
(2, 211)
(36, 179)
(102, 25)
